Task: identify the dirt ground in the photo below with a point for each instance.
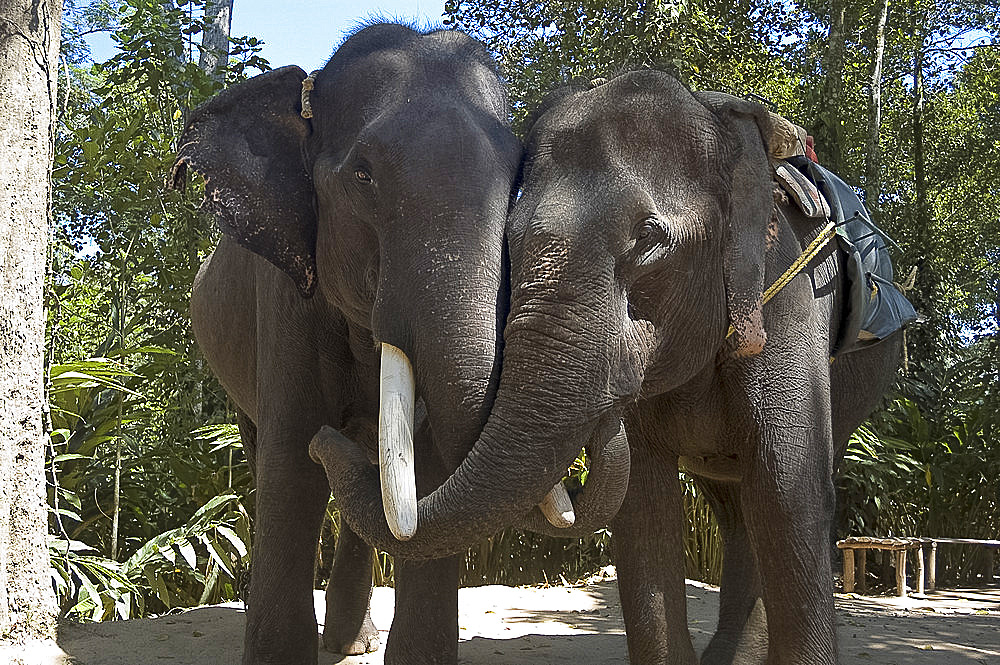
(578, 625)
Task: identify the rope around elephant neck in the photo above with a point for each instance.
(810, 252)
(308, 83)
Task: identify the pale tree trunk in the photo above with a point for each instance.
(873, 156)
(29, 49)
(215, 41)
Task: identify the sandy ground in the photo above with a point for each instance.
(579, 625)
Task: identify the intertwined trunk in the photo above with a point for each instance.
(29, 42)
(553, 399)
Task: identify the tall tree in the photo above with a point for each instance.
(873, 155)
(215, 40)
(829, 131)
(29, 45)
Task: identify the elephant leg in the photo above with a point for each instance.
(248, 437)
(787, 498)
(741, 635)
(425, 624)
(292, 493)
(348, 626)
(648, 550)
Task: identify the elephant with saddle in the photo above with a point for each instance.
(360, 279)
(645, 237)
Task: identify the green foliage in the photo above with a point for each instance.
(542, 43)
(194, 564)
(134, 477)
(928, 466)
(702, 542)
(88, 399)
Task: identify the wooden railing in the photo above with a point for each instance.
(855, 550)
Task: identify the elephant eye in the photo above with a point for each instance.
(363, 176)
(648, 230)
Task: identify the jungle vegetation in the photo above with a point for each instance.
(151, 504)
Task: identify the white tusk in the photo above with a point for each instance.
(395, 443)
(558, 507)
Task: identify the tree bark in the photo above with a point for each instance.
(873, 158)
(923, 341)
(29, 49)
(215, 41)
(829, 138)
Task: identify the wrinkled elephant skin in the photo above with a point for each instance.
(378, 220)
(650, 213)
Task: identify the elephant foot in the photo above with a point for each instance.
(350, 642)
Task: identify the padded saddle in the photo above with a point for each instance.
(875, 308)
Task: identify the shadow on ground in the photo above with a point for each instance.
(567, 625)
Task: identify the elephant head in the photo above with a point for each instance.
(381, 184)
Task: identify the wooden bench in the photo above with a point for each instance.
(859, 545)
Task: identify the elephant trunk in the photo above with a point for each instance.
(449, 357)
(553, 398)
(600, 497)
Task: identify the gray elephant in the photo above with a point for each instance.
(645, 237)
(363, 209)
(857, 382)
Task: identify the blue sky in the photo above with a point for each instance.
(305, 32)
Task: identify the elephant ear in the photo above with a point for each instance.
(747, 125)
(248, 143)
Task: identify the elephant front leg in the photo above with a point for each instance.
(788, 499)
(648, 551)
(292, 493)
(348, 625)
(425, 624)
(741, 635)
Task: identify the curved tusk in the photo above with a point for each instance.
(558, 507)
(395, 443)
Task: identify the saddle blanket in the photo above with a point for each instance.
(876, 308)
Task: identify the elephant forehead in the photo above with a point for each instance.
(630, 124)
(609, 167)
(395, 77)
(388, 72)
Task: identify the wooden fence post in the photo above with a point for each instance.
(901, 573)
(848, 570)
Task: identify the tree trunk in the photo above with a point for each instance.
(215, 40)
(829, 137)
(873, 158)
(923, 341)
(919, 166)
(29, 49)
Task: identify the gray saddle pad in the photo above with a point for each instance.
(875, 308)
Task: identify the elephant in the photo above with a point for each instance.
(645, 236)
(362, 210)
(858, 380)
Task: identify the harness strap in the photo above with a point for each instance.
(810, 252)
